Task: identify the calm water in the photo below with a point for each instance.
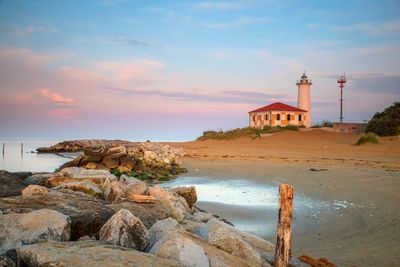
(13, 160)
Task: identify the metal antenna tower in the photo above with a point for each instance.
(341, 81)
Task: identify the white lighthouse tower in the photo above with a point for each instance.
(303, 98)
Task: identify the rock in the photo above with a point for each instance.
(101, 166)
(10, 184)
(128, 162)
(91, 165)
(73, 163)
(87, 213)
(97, 151)
(22, 175)
(34, 190)
(149, 156)
(110, 162)
(112, 189)
(86, 187)
(87, 253)
(224, 237)
(39, 178)
(135, 188)
(129, 180)
(180, 248)
(188, 193)
(126, 230)
(194, 227)
(82, 173)
(202, 216)
(33, 227)
(90, 158)
(161, 228)
(123, 169)
(176, 204)
(6, 262)
(86, 238)
(116, 150)
(148, 213)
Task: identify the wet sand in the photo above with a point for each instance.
(365, 180)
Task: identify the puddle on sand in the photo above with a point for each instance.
(251, 206)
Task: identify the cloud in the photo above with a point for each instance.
(130, 41)
(29, 30)
(377, 83)
(229, 96)
(222, 5)
(55, 97)
(388, 28)
(242, 21)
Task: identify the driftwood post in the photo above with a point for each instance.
(4, 144)
(22, 148)
(284, 233)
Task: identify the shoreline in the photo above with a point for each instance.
(363, 234)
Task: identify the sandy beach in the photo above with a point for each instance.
(365, 178)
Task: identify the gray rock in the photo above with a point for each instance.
(178, 247)
(35, 190)
(133, 188)
(202, 216)
(82, 173)
(87, 253)
(10, 184)
(6, 262)
(188, 193)
(126, 230)
(112, 189)
(148, 213)
(39, 178)
(84, 186)
(176, 204)
(161, 228)
(87, 213)
(33, 227)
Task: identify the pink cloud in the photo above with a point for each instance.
(55, 97)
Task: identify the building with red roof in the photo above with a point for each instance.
(280, 114)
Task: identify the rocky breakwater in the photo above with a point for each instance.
(145, 160)
(81, 217)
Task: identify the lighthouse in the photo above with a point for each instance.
(303, 98)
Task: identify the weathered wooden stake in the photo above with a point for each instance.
(284, 233)
(22, 148)
(4, 144)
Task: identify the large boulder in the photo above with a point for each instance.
(180, 248)
(161, 228)
(73, 163)
(35, 190)
(148, 213)
(10, 184)
(133, 187)
(33, 227)
(6, 262)
(112, 189)
(87, 214)
(87, 253)
(125, 230)
(39, 178)
(82, 173)
(86, 187)
(177, 205)
(110, 162)
(187, 192)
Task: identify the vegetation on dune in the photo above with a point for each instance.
(367, 138)
(386, 123)
(324, 123)
(243, 132)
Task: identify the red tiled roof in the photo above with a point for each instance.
(279, 107)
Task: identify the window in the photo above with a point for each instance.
(278, 117)
(254, 117)
(300, 117)
(266, 117)
(288, 117)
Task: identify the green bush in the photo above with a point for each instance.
(242, 132)
(386, 123)
(324, 123)
(367, 138)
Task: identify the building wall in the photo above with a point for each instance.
(259, 119)
(353, 128)
(303, 100)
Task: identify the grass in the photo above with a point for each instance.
(242, 132)
(367, 138)
(324, 123)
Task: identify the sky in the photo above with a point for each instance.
(168, 70)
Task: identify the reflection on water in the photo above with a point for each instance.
(14, 159)
(249, 205)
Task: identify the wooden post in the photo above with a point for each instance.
(22, 148)
(4, 144)
(284, 233)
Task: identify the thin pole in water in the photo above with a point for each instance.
(4, 144)
(22, 148)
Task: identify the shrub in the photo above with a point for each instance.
(367, 138)
(386, 123)
(324, 123)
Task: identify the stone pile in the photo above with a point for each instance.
(87, 217)
(145, 160)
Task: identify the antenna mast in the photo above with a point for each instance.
(341, 81)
